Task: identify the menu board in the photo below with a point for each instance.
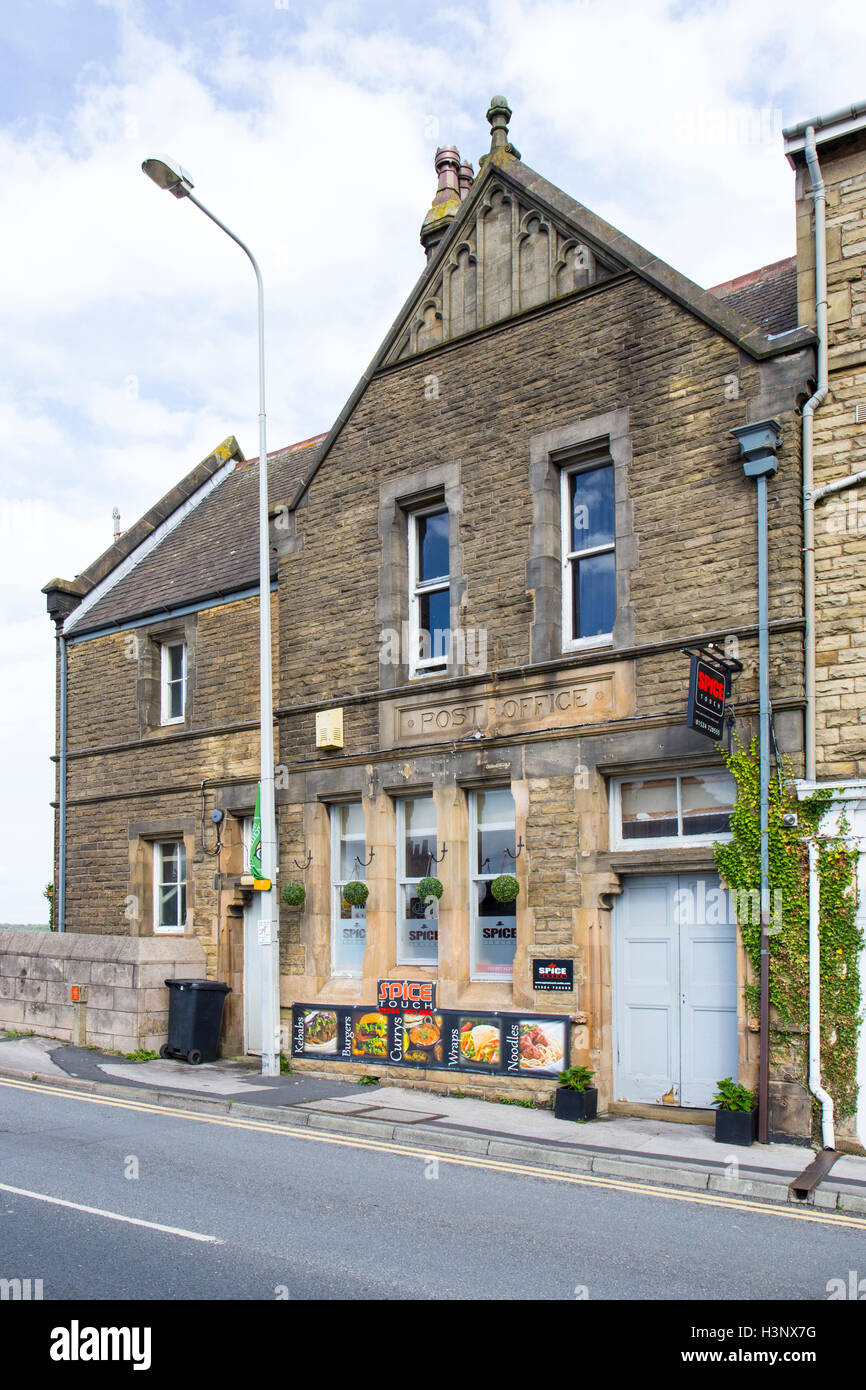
(447, 1039)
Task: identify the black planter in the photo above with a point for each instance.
(737, 1126)
(575, 1105)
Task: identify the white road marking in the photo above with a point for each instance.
(110, 1215)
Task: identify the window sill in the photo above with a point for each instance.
(586, 644)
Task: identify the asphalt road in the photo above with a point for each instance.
(328, 1217)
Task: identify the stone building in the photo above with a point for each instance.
(831, 298)
(485, 576)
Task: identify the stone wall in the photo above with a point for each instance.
(126, 1007)
(840, 449)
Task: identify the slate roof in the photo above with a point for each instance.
(214, 550)
(766, 297)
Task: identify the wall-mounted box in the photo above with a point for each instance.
(329, 729)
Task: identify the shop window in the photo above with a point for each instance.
(588, 555)
(173, 682)
(672, 809)
(417, 921)
(169, 886)
(429, 591)
(493, 925)
(348, 853)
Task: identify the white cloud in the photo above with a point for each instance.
(128, 325)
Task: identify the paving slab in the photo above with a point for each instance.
(180, 1076)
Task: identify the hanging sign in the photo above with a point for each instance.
(709, 687)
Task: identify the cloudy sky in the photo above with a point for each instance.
(128, 320)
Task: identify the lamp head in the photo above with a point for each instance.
(167, 173)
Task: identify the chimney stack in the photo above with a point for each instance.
(446, 202)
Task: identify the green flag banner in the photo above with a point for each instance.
(256, 838)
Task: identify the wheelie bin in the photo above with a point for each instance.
(195, 1015)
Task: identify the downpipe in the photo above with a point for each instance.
(828, 1135)
(60, 886)
(819, 200)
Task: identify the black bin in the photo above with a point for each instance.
(195, 1016)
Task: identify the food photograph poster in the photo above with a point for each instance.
(513, 1044)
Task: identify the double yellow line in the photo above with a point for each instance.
(712, 1199)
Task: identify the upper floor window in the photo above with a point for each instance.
(417, 920)
(348, 855)
(588, 555)
(429, 591)
(169, 886)
(493, 924)
(173, 682)
(670, 810)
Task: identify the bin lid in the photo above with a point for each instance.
(200, 984)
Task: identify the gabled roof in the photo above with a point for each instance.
(207, 547)
(573, 226)
(766, 297)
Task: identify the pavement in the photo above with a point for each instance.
(654, 1151)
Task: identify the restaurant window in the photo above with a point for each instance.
(417, 920)
(588, 555)
(429, 591)
(348, 853)
(493, 924)
(672, 809)
(173, 682)
(169, 886)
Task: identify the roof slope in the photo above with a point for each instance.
(766, 297)
(614, 249)
(213, 551)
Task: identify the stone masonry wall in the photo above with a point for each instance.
(126, 1008)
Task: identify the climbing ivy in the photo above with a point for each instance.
(739, 864)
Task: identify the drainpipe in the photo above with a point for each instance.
(60, 887)
(758, 444)
(809, 409)
(828, 1137)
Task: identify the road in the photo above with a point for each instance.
(260, 1213)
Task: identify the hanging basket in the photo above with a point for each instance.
(294, 894)
(355, 894)
(430, 888)
(505, 888)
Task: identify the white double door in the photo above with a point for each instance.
(675, 982)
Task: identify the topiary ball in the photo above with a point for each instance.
(430, 888)
(505, 888)
(294, 894)
(355, 893)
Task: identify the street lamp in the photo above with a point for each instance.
(168, 174)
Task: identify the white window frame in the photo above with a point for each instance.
(570, 643)
(477, 877)
(165, 650)
(404, 881)
(337, 885)
(160, 928)
(678, 841)
(429, 665)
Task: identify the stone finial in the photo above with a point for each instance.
(499, 114)
(446, 201)
(464, 177)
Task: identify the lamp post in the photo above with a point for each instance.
(167, 174)
(758, 445)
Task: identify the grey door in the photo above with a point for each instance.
(675, 981)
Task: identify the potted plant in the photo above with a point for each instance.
(430, 888)
(737, 1113)
(504, 888)
(575, 1098)
(294, 894)
(355, 893)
